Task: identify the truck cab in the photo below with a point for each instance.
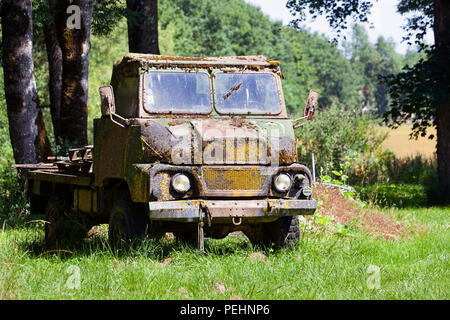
(200, 147)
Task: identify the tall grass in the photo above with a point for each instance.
(321, 266)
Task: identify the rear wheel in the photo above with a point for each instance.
(63, 227)
(128, 223)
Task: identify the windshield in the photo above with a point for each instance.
(247, 93)
(177, 92)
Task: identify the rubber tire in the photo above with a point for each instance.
(285, 232)
(128, 224)
(62, 227)
(282, 233)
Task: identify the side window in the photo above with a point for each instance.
(126, 96)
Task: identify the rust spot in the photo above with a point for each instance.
(141, 63)
(237, 122)
(177, 122)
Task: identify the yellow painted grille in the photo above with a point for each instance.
(233, 179)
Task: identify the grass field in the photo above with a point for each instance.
(324, 265)
(400, 143)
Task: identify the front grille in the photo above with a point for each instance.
(234, 179)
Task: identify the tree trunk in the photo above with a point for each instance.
(442, 42)
(55, 80)
(26, 126)
(143, 26)
(75, 49)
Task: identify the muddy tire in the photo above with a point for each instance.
(285, 232)
(62, 227)
(128, 224)
(282, 233)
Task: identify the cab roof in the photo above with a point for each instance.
(142, 62)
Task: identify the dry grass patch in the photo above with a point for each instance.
(350, 212)
(400, 143)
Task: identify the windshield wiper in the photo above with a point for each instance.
(233, 89)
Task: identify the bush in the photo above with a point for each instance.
(339, 134)
(347, 147)
(13, 204)
(384, 167)
(392, 195)
(14, 208)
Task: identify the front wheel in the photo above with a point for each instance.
(284, 232)
(128, 223)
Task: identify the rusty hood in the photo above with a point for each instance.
(220, 141)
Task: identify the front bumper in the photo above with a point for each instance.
(226, 210)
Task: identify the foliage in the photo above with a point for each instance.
(14, 209)
(370, 62)
(106, 15)
(419, 14)
(338, 134)
(13, 205)
(385, 167)
(394, 195)
(419, 91)
(336, 12)
(389, 181)
(420, 20)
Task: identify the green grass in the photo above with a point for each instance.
(394, 195)
(323, 266)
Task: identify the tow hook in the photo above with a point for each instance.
(204, 208)
(237, 221)
(200, 232)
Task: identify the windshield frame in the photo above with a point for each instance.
(167, 112)
(279, 92)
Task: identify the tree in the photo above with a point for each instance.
(104, 16)
(55, 62)
(390, 64)
(371, 61)
(26, 126)
(143, 26)
(442, 89)
(423, 89)
(74, 39)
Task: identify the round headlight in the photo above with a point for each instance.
(282, 182)
(181, 183)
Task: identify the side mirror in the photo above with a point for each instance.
(108, 104)
(311, 104)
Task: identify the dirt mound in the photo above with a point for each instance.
(348, 211)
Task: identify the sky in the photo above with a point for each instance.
(384, 18)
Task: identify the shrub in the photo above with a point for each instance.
(13, 202)
(13, 205)
(338, 134)
(384, 167)
(394, 195)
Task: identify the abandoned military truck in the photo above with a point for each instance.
(200, 147)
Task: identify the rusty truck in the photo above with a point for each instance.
(199, 147)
